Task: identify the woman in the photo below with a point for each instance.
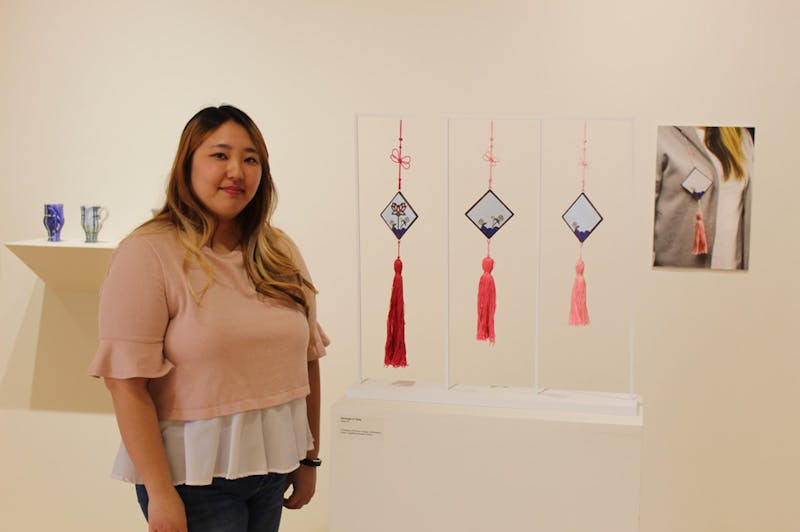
(209, 343)
(703, 189)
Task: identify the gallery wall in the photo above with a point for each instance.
(95, 95)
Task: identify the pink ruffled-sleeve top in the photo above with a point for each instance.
(235, 351)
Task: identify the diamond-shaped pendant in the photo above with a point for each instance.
(399, 215)
(696, 184)
(582, 218)
(489, 214)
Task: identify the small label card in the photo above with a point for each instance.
(361, 427)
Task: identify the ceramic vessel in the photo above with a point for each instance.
(92, 218)
(53, 220)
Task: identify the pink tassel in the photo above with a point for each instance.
(578, 314)
(486, 302)
(395, 351)
(700, 242)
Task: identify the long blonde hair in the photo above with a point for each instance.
(265, 249)
(726, 144)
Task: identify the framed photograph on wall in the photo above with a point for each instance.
(704, 182)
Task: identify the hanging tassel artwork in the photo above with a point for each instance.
(399, 217)
(488, 214)
(697, 184)
(582, 218)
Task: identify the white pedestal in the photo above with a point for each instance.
(401, 466)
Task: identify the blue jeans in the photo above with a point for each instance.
(249, 504)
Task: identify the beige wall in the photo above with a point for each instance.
(94, 96)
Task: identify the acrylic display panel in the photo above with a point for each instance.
(597, 356)
(509, 362)
(422, 247)
(538, 180)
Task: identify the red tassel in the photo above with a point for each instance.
(700, 242)
(578, 314)
(395, 351)
(486, 302)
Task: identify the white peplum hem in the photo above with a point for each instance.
(255, 442)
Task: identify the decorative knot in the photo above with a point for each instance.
(404, 161)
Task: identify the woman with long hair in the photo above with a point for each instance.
(209, 343)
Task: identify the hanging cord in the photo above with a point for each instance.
(584, 164)
(488, 155)
(403, 162)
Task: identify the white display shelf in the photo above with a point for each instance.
(554, 401)
(66, 265)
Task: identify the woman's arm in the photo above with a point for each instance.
(138, 425)
(312, 405)
(304, 479)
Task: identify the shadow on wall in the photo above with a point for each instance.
(60, 330)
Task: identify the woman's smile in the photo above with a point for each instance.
(233, 190)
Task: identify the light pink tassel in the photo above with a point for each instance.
(700, 242)
(486, 302)
(578, 315)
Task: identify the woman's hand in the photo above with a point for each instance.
(165, 512)
(303, 481)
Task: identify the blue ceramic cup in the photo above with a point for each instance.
(53, 220)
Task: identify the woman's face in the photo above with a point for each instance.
(226, 171)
